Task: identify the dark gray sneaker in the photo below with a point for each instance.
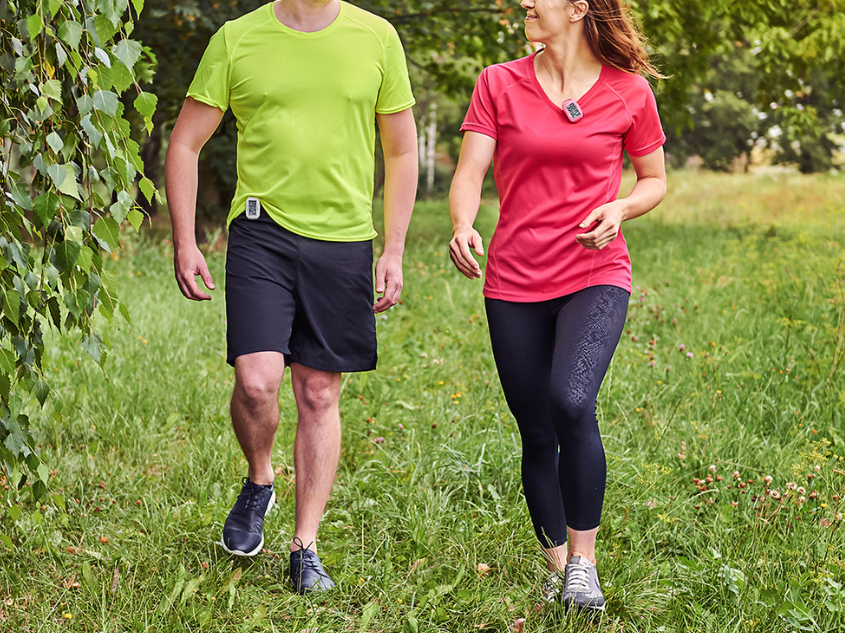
(581, 586)
(243, 532)
(306, 571)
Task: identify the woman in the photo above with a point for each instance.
(558, 276)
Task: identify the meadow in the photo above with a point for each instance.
(722, 417)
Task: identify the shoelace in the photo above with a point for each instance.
(250, 499)
(307, 562)
(577, 579)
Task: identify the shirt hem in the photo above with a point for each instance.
(311, 236)
(206, 100)
(472, 127)
(411, 104)
(648, 149)
(535, 298)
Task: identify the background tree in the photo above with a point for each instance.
(68, 168)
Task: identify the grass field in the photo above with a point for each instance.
(722, 417)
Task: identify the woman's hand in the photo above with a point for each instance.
(609, 218)
(464, 239)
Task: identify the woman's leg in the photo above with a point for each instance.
(522, 337)
(588, 326)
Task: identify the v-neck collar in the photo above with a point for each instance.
(532, 72)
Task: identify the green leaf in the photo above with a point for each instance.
(55, 6)
(147, 188)
(61, 54)
(46, 206)
(67, 253)
(52, 88)
(135, 218)
(58, 500)
(38, 491)
(411, 625)
(34, 24)
(55, 142)
(41, 390)
(103, 56)
(7, 361)
(43, 106)
(120, 208)
(367, 614)
(111, 9)
(128, 52)
(12, 305)
(43, 472)
(105, 101)
(7, 541)
(64, 178)
(70, 33)
(94, 134)
(93, 345)
(145, 104)
(139, 6)
(16, 438)
(15, 512)
(108, 231)
(86, 256)
(121, 77)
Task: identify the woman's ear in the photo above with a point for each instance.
(579, 10)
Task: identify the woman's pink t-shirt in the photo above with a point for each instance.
(551, 173)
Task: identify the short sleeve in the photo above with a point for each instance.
(646, 133)
(395, 93)
(211, 81)
(481, 115)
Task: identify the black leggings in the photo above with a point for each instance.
(552, 357)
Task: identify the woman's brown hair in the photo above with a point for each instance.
(615, 39)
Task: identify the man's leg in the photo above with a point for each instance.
(255, 410)
(317, 447)
(255, 417)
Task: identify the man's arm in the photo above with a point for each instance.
(195, 125)
(399, 142)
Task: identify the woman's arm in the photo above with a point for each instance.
(464, 199)
(647, 193)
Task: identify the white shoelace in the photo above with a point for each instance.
(579, 578)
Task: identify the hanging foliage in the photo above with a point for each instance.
(68, 167)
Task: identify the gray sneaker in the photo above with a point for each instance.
(553, 587)
(581, 586)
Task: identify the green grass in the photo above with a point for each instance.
(746, 272)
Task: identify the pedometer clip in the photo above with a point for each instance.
(253, 208)
(572, 111)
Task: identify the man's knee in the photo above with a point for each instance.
(316, 391)
(257, 380)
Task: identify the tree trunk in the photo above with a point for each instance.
(431, 133)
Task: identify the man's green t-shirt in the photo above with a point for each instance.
(305, 107)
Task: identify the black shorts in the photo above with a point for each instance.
(311, 300)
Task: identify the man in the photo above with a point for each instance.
(305, 80)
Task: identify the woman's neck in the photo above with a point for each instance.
(568, 63)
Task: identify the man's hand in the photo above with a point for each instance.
(388, 281)
(188, 263)
(463, 240)
(609, 217)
